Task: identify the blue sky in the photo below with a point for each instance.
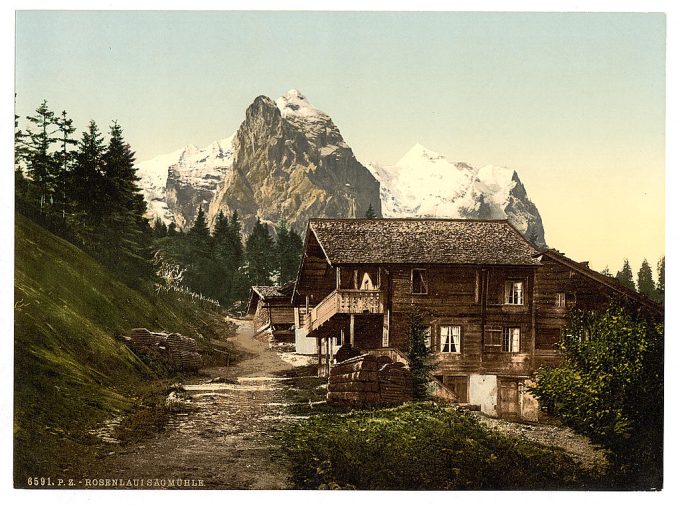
(574, 102)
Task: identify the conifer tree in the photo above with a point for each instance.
(293, 256)
(124, 228)
(159, 228)
(645, 282)
(235, 237)
(21, 184)
(203, 270)
(418, 354)
(625, 276)
(661, 279)
(238, 283)
(370, 212)
(282, 247)
(260, 255)
(41, 164)
(64, 158)
(20, 146)
(288, 251)
(228, 254)
(86, 185)
(200, 226)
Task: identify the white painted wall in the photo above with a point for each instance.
(529, 408)
(484, 392)
(304, 345)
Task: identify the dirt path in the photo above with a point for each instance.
(577, 446)
(223, 437)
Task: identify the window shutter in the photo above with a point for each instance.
(493, 339)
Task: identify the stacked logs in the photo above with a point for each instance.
(184, 352)
(177, 351)
(396, 383)
(369, 380)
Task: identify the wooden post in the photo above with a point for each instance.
(337, 278)
(386, 329)
(329, 346)
(351, 330)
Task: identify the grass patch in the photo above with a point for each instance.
(419, 446)
(150, 413)
(70, 373)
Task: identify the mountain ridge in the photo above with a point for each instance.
(289, 161)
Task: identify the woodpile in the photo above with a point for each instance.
(368, 380)
(177, 351)
(396, 383)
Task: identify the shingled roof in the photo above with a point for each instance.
(422, 241)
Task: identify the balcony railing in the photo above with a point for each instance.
(345, 302)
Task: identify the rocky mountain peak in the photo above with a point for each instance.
(291, 163)
(416, 154)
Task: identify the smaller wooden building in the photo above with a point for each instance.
(271, 310)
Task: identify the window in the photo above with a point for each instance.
(418, 282)
(511, 339)
(514, 293)
(450, 338)
(561, 299)
(366, 282)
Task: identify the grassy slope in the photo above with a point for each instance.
(70, 372)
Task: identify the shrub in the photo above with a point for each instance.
(418, 446)
(610, 388)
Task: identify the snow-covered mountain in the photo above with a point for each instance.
(425, 184)
(175, 184)
(289, 161)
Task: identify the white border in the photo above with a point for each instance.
(671, 487)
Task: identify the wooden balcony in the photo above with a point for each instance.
(345, 302)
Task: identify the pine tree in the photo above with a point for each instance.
(607, 272)
(159, 228)
(87, 185)
(282, 251)
(295, 253)
(122, 190)
(260, 254)
(238, 281)
(172, 229)
(370, 212)
(125, 232)
(64, 158)
(235, 238)
(418, 354)
(288, 252)
(625, 276)
(200, 226)
(21, 184)
(661, 279)
(20, 145)
(645, 282)
(41, 164)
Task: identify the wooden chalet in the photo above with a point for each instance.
(493, 303)
(271, 310)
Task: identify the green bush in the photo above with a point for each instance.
(610, 388)
(418, 446)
